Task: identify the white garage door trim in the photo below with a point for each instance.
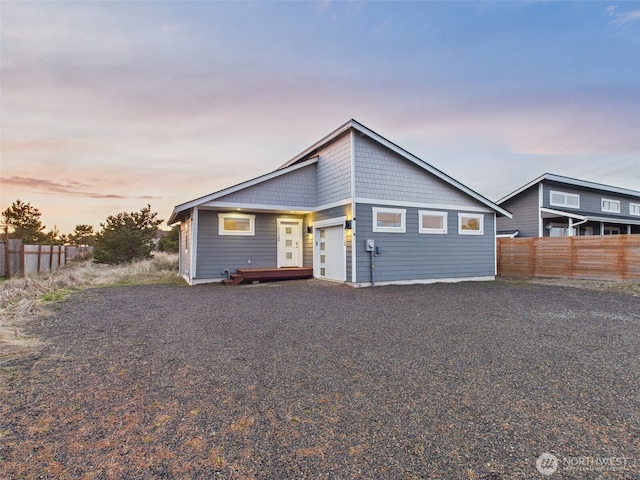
(317, 226)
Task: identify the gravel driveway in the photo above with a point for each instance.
(309, 379)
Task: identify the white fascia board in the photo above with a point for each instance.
(522, 189)
(563, 214)
(320, 143)
(241, 186)
(622, 221)
(255, 207)
(438, 206)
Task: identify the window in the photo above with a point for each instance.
(562, 199)
(470, 224)
(432, 222)
(634, 209)
(236, 224)
(608, 205)
(389, 220)
(560, 230)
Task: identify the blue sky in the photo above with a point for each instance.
(108, 106)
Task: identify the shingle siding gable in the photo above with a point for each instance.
(297, 188)
(384, 175)
(334, 171)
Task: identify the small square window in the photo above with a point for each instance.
(236, 224)
(634, 209)
(470, 224)
(389, 220)
(432, 222)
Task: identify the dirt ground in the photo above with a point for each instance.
(309, 379)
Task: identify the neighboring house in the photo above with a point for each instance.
(321, 209)
(553, 206)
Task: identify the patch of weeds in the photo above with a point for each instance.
(56, 296)
(9, 374)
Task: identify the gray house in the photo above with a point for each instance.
(355, 208)
(553, 206)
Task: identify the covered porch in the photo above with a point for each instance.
(558, 223)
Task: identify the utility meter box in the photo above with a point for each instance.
(370, 245)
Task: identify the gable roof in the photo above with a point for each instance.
(573, 182)
(310, 156)
(183, 207)
(360, 128)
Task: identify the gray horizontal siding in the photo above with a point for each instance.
(384, 175)
(216, 252)
(297, 188)
(415, 256)
(590, 201)
(524, 208)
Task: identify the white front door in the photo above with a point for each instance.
(289, 242)
(330, 253)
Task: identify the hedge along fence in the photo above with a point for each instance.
(615, 257)
(20, 259)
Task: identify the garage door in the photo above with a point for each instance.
(330, 253)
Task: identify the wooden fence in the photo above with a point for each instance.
(615, 257)
(19, 259)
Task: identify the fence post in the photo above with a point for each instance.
(22, 260)
(7, 269)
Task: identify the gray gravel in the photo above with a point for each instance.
(309, 379)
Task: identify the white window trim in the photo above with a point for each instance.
(565, 195)
(470, 232)
(611, 201)
(403, 220)
(252, 224)
(637, 208)
(443, 215)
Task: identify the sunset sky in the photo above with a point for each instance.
(108, 106)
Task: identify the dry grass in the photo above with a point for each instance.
(23, 298)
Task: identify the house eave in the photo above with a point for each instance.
(573, 182)
(175, 215)
(357, 126)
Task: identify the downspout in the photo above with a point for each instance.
(586, 219)
(353, 209)
(540, 203)
(194, 243)
(373, 269)
(495, 244)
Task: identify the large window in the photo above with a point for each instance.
(432, 222)
(236, 224)
(563, 199)
(634, 209)
(608, 205)
(470, 224)
(389, 220)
